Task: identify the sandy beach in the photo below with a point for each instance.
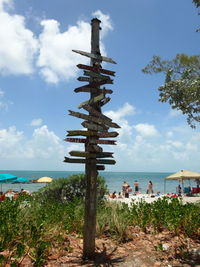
(149, 199)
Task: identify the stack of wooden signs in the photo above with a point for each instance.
(97, 125)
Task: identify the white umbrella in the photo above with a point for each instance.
(183, 175)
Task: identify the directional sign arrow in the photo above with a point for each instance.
(92, 101)
(97, 57)
(88, 89)
(98, 161)
(85, 67)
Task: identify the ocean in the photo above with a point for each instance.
(114, 180)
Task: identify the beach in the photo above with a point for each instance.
(149, 199)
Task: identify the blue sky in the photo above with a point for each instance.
(38, 74)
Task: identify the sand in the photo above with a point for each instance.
(149, 199)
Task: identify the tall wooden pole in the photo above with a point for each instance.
(90, 167)
(97, 126)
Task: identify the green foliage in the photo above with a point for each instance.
(70, 188)
(182, 84)
(196, 2)
(113, 220)
(32, 226)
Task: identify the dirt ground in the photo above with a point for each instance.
(142, 250)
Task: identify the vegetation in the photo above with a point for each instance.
(182, 84)
(64, 190)
(34, 225)
(197, 3)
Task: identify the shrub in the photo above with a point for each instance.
(67, 189)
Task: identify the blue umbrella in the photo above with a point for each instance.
(7, 178)
(21, 180)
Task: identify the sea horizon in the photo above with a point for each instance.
(114, 180)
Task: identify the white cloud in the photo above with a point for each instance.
(9, 142)
(43, 150)
(44, 144)
(122, 112)
(56, 59)
(176, 144)
(118, 116)
(52, 50)
(146, 130)
(172, 149)
(18, 44)
(36, 122)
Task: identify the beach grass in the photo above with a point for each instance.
(34, 225)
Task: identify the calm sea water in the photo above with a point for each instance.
(114, 180)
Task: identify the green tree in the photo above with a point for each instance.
(182, 84)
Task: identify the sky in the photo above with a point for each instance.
(38, 75)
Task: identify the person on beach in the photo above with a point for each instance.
(136, 184)
(128, 190)
(124, 188)
(120, 195)
(113, 195)
(179, 190)
(150, 188)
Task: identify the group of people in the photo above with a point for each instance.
(12, 194)
(127, 189)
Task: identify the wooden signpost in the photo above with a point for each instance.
(97, 126)
(92, 133)
(98, 70)
(96, 75)
(87, 89)
(94, 56)
(92, 100)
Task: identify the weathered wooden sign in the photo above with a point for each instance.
(82, 140)
(86, 154)
(106, 142)
(92, 133)
(93, 90)
(99, 83)
(107, 134)
(92, 100)
(98, 161)
(98, 70)
(96, 75)
(96, 113)
(88, 89)
(81, 133)
(100, 167)
(94, 127)
(84, 79)
(97, 57)
(103, 121)
(76, 140)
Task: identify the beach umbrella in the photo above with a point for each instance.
(6, 178)
(183, 175)
(21, 180)
(44, 180)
